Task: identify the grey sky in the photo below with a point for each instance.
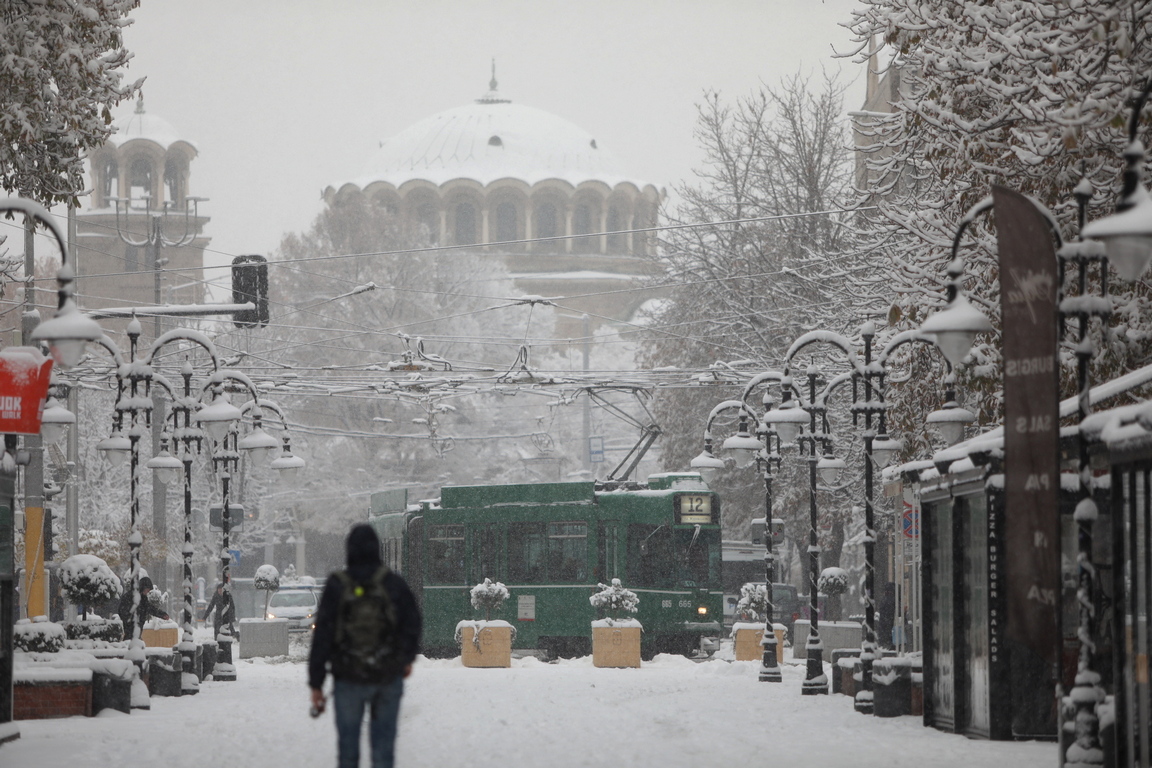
(284, 97)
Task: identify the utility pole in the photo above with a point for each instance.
(33, 594)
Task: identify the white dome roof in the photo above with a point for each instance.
(488, 140)
(143, 125)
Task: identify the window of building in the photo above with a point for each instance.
(568, 552)
(446, 554)
(131, 258)
(428, 223)
(582, 220)
(465, 224)
(111, 178)
(174, 180)
(495, 141)
(615, 224)
(546, 221)
(506, 228)
(526, 551)
(140, 179)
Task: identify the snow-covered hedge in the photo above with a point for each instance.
(38, 635)
(489, 596)
(95, 628)
(87, 580)
(615, 599)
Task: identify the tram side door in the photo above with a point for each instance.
(608, 552)
(485, 558)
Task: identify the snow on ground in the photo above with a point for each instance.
(671, 713)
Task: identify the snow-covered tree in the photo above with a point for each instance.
(268, 579)
(60, 74)
(1031, 94)
(88, 581)
(833, 583)
(753, 603)
(615, 599)
(744, 291)
(489, 596)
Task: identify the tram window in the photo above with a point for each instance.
(568, 551)
(526, 547)
(446, 554)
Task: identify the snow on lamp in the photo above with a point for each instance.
(829, 468)
(116, 448)
(166, 466)
(884, 449)
(742, 446)
(787, 420)
(707, 464)
(287, 464)
(950, 421)
(218, 417)
(258, 444)
(55, 421)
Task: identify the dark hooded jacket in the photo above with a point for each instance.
(146, 608)
(362, 548)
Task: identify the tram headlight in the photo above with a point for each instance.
(702, 610)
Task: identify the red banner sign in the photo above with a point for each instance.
(24, 378)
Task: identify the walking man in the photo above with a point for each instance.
(367, 635)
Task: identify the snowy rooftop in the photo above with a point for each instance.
(492, 139)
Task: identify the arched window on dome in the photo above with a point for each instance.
(546, 221)
(110, 180)
(428, 223)
(506, 225)
(140, 180)
(465, 224)
(174, 180)
(616, 243)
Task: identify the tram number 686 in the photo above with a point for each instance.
(683, 604)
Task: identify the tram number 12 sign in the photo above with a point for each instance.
(694, 510)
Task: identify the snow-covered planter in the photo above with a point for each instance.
(38, 635)
(748, 639)
(268, 579)
(87, 580)
(486, 642)
(615, 600)
(615, 640)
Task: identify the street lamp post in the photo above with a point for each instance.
(747, 449)
(220, 420)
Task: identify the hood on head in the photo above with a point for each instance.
(363, 547)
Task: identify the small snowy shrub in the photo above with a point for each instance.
(833, 581)
(87, 580)
(489, 596)
(267, 579)
(753, 605)
(38, 635)
(615, 599)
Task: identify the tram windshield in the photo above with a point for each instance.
(660, 556)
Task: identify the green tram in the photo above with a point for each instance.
(551, 544)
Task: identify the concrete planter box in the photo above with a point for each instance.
(748, 645)
(616, 646)
(263, 637)
(834, 635)
(162, 637)
(485, 644)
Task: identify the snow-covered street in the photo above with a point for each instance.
(670, 713)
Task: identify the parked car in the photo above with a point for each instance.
(298, 605)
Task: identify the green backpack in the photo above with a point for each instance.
(367, 647)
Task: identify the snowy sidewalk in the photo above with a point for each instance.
(670, 713)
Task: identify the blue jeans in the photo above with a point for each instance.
(383, 702)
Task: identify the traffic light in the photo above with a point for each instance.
(250, 284)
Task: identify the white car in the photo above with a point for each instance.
(298, 605)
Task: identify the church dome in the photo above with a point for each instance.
(488, 140)
(147, 126)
